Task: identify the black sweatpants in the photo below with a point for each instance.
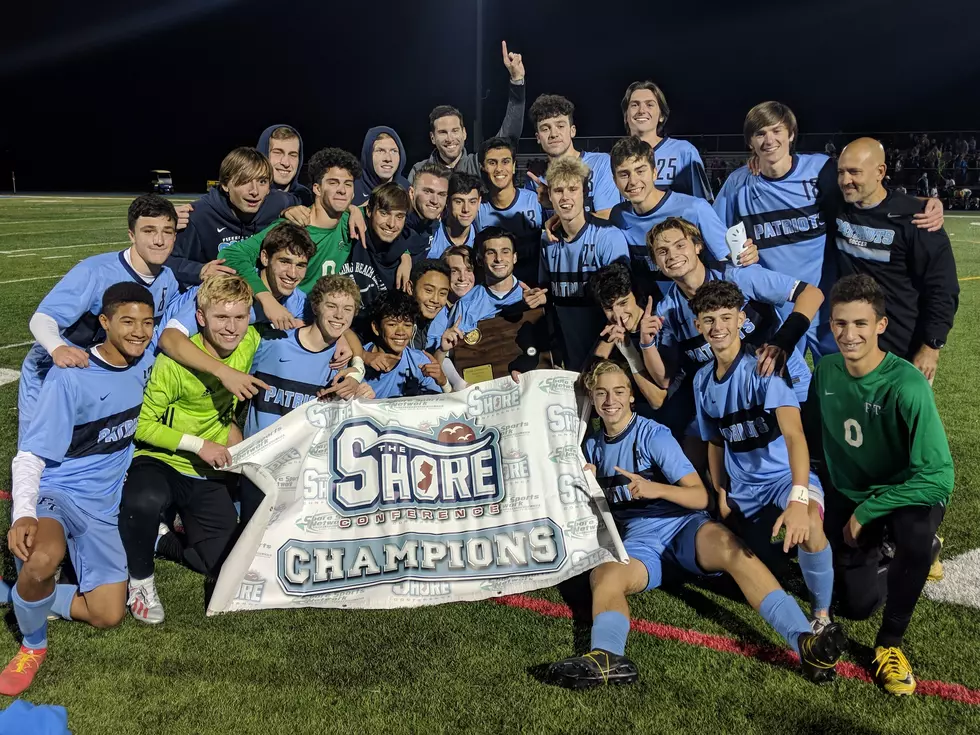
(859, 589)
(205, 507)
(250, 497)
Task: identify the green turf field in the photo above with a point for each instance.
(469, 667)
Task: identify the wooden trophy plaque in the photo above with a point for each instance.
(515, 339)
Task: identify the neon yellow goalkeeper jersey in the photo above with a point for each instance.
(179, 401)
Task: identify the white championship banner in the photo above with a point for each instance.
(419, 501)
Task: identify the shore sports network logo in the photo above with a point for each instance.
(555, 386)
(373, 466)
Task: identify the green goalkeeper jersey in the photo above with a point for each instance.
(332, 250)
(883, 441)
(179, 401)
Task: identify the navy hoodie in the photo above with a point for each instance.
(215, 224)
(304, 194)
(374, 269)
(369, 179)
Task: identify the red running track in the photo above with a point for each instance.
(769, 654)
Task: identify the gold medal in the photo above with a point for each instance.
(471, 338)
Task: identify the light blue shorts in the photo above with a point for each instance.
(94, 544)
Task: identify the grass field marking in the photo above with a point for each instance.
(49, 232)
(768, 654)
(16, 344)
(13, 253)
(961, 581)
(970, 278)
(8, 376)
(82, 198)
(35, 278)
(56, 257)
(59, 219)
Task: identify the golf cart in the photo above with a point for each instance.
(161, 182)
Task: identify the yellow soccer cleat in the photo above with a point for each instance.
(936, 570)
(894, 673)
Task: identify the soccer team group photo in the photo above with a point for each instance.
(625, 426)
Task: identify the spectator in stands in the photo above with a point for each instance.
(973, 143)
(922, 185)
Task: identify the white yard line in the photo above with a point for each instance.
(16, 344)
(36, 278)
(59, 219)
(29, 198)
(51, 232)
(13, 252)
(8, 376)
(56, 257)
(961, 581)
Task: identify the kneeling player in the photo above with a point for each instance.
(412, 372)
(888, 459)
(68, 478)
(185, 426)
(658, 499)
(757, 453)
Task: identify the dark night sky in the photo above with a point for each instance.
(93, 95)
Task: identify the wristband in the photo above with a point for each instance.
(799, 494)
(448, 387)
(792, 330)
(646, 345)
(357, 365)
(190, 443)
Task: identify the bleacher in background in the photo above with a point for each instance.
(949, 158)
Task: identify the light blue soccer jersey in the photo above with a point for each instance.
(74, 303)
(405, 379)
(682, 347)
(674, 204)
(785, 217)
(680, 168)
(480, 303)
(440, 242)
(429, 336)
(740, 408)
(184, 315)
(602, 192)
(566, 267)
(293, 373)
(646, 448)
(523, 219)
(83, 429)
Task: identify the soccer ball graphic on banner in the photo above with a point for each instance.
(456, 432)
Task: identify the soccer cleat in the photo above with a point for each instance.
(818, 623)
(21, 670)
(936, 569)
(594, 669)
(894, 673)
(820, 652)
(144, 603)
